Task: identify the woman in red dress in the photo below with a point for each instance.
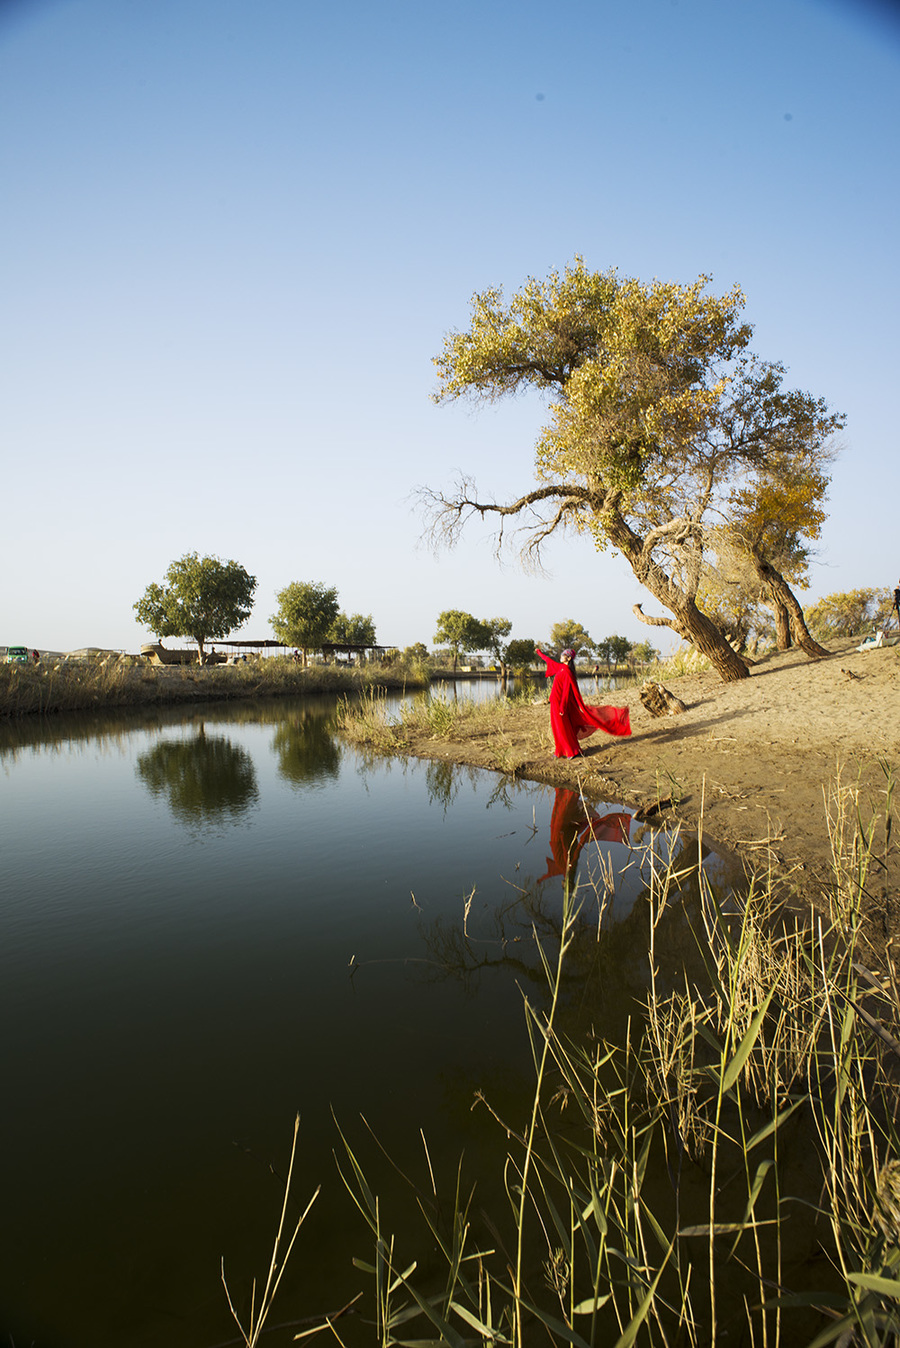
(570, 720)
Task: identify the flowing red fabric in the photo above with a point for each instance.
(572, 824)
(570, 719)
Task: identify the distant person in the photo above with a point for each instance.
(35, 656)
(570, 720)
(896, 606)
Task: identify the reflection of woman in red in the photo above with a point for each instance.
(570, 720)
(572, 823)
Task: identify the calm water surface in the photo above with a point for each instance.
(211, 921)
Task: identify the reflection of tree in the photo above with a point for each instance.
(466, 949)
(206, 779)
(305, 746)
(441, 782)
(110, 728)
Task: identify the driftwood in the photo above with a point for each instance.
(660, 702)
(652, 807)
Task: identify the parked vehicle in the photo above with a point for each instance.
(17, 655)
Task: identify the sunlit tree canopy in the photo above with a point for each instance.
(659, 422)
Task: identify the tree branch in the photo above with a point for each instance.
(447, 515)
(671, 623)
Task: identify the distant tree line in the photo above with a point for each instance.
(205, 599)
(459, 632)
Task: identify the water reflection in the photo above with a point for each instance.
(574, 822)
(435, 894)
(206, 779)
(442, 782)
(306, 748)
(626, 870)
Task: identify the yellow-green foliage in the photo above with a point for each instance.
(846, 615)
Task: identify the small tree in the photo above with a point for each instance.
(619, 650)
(613, 650)
(779, 510)
(520, 654)
(603, 651)
(643, 653)
(846, 615)
(461, 632)
(355, 629)
(570, 634)
(416, 655)
(203, 598)
(306, 614)
(497, 629)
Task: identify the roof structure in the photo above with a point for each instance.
(348, 647)
(326, 647)
(257, 645)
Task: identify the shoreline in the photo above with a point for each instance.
(764, 767)
(756, 765)
(114, 685)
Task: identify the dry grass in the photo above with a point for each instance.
(372, 723)
(126, 681)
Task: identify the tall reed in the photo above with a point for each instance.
(375, 722)
(665, 1187)
(253, 1326)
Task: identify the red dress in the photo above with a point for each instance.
(570, 719)
(572, 823)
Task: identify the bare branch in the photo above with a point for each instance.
(671, 623)
(674, 532)
(446, 516)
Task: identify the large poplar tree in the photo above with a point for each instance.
(656, 414)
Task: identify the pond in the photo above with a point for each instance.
(212, 921)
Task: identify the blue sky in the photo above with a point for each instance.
(234, 233)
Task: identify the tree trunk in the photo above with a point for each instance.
(659, 701)
(782, 594)
(708, 637)
(782, 624)
(201, 654)
(700, 631)
(688, 621)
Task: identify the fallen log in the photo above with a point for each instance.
(660, 702)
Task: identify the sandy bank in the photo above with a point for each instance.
(760, 759)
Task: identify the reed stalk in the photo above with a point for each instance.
(649, 1191)
(258, 1314)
